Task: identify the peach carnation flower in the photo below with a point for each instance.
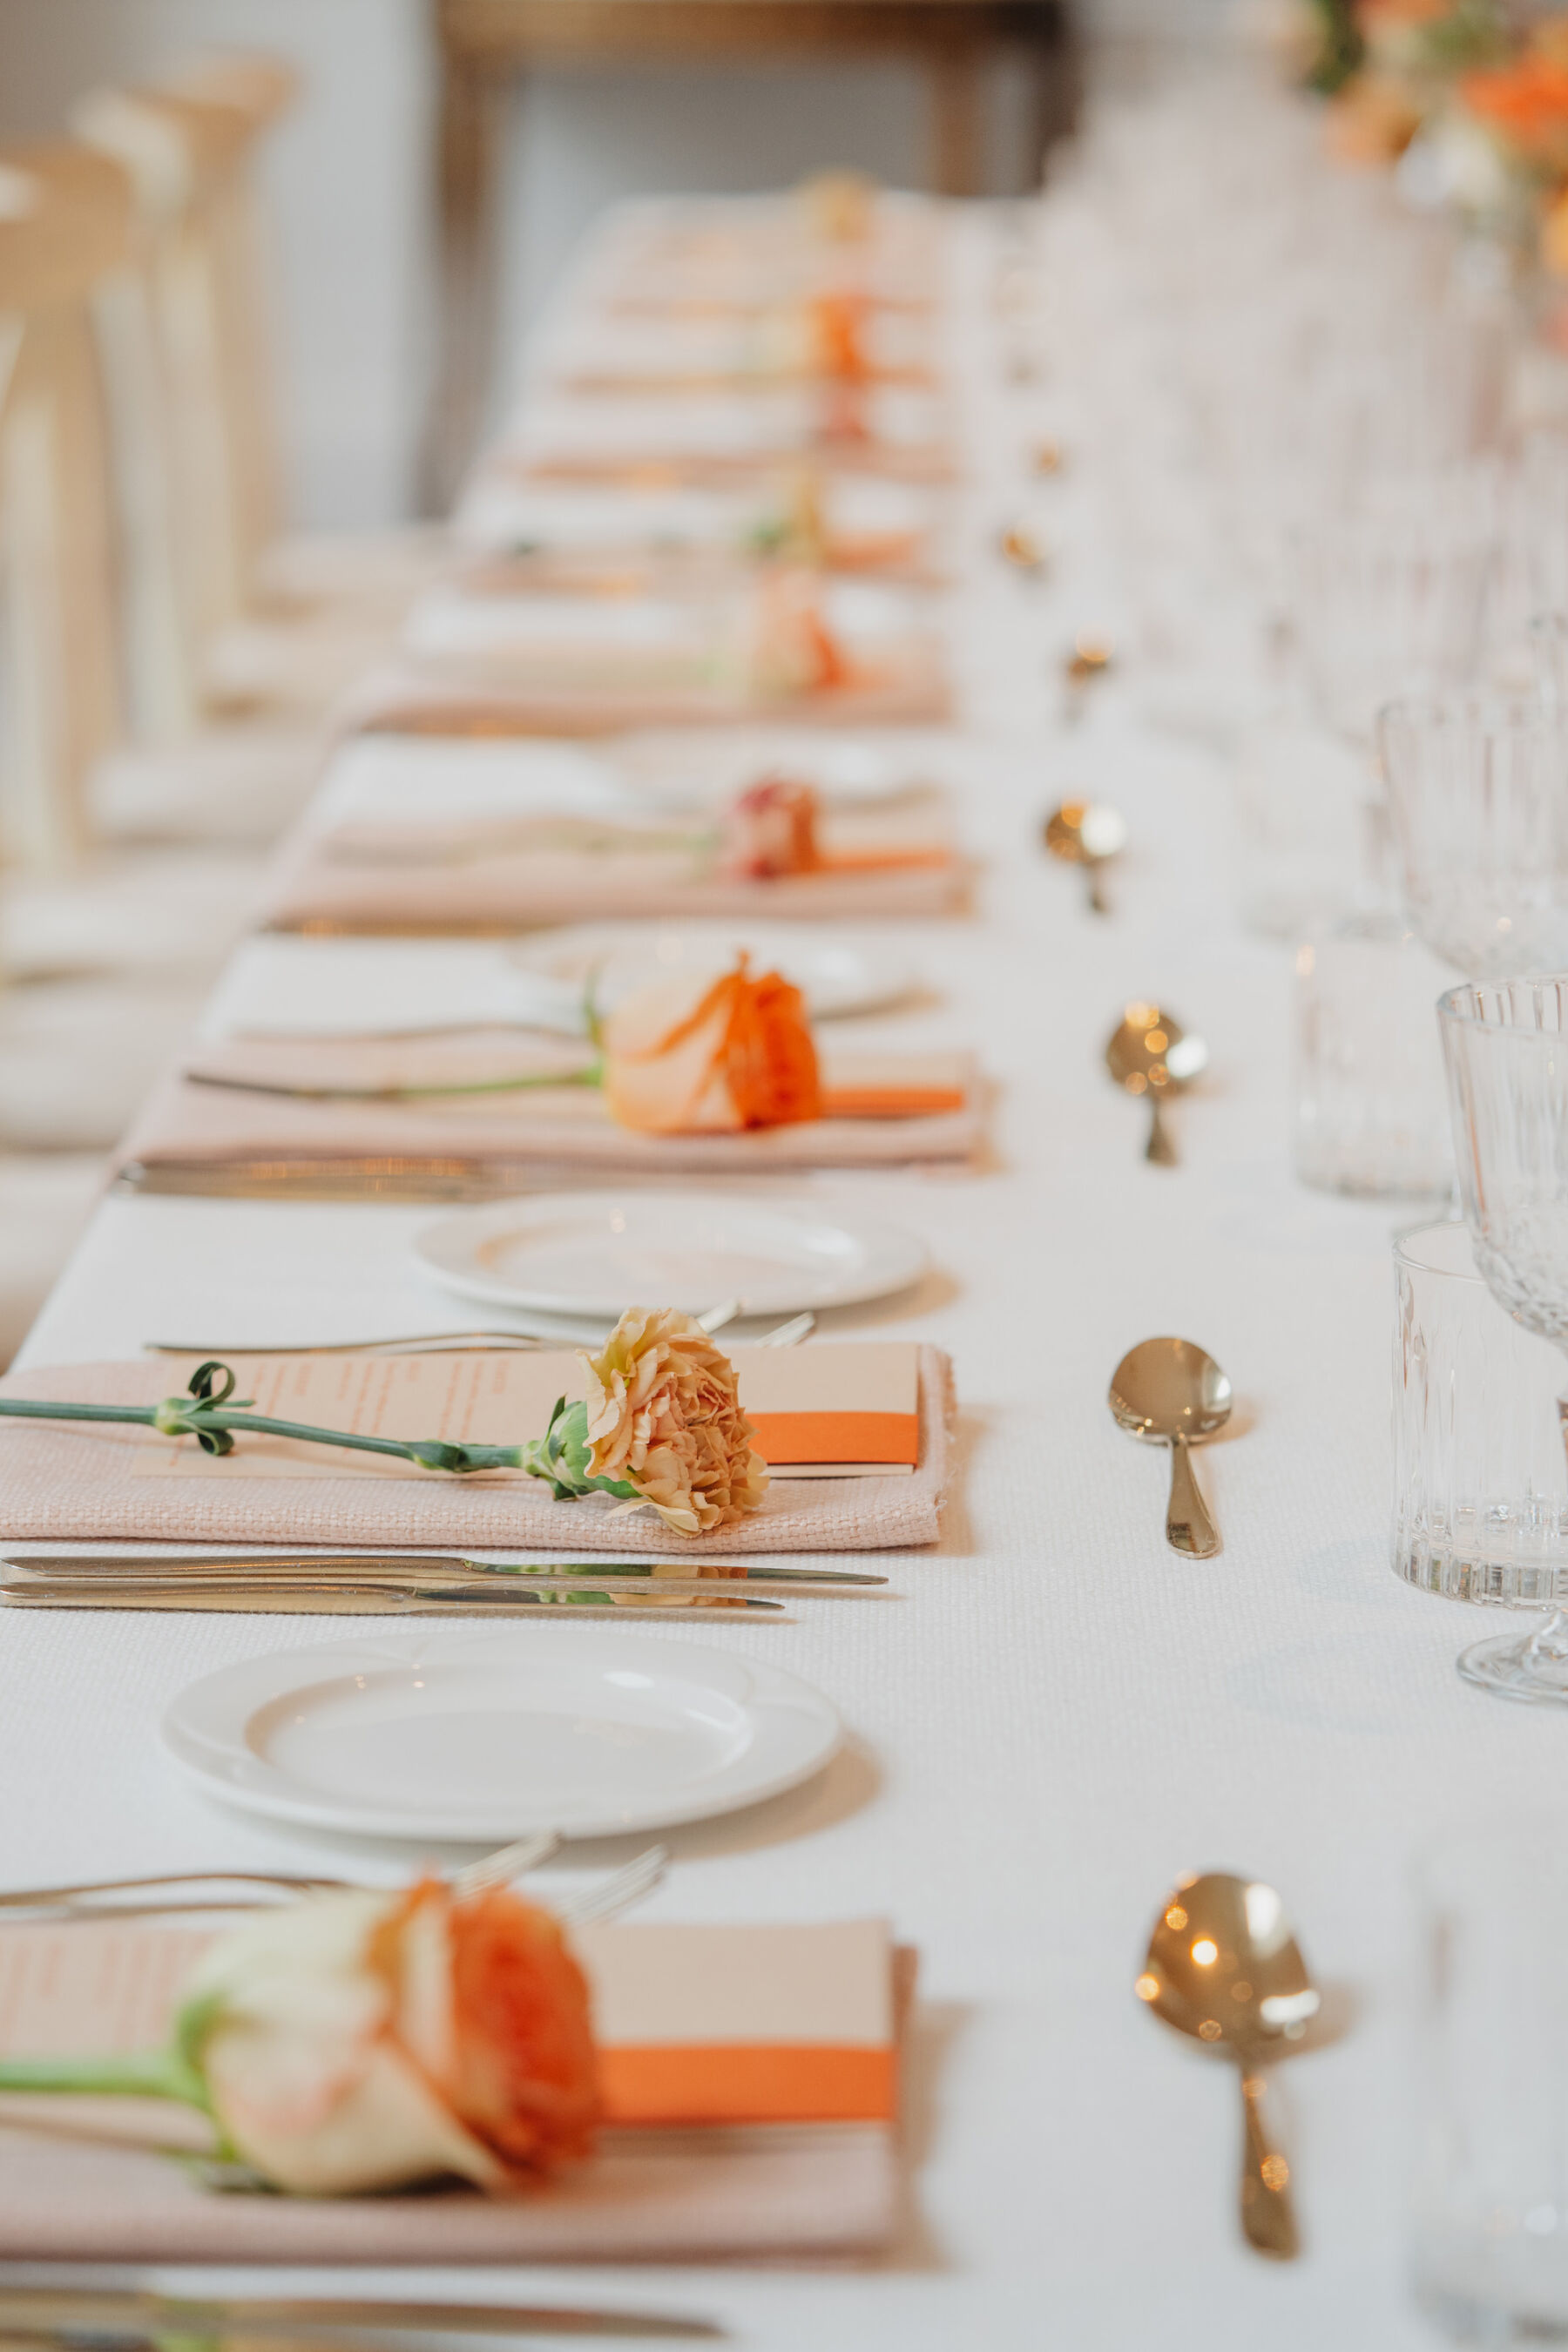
(664, 1418)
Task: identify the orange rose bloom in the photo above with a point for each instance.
(522, 2060)
(740, 1054)
(771, 829)
(360, 2040)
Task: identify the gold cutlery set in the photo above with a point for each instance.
(403, 1584)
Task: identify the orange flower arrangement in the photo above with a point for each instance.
(1526, 102)
(741, 1055)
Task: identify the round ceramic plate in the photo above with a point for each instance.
(835, 976)
(597, 1253)
(492, 1735)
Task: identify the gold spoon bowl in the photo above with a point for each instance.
(1151, 1057)
(1223, 1967)
(1086, 833)
(1170, 1392)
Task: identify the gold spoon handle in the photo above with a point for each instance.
(1188, 1527)
(1160, 1147)
(1267, 2217)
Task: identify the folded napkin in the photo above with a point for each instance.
(629, 462)
(110, 1482)
(501, 874)
(564, 536)
(902, 684)
(630, 568)
(235, 1108)
(750, 2079)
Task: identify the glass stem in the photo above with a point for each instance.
(1549, 1642)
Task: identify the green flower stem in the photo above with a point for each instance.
(178, 1417)
(562, 1454)
(591, 1076)
(146, 2074)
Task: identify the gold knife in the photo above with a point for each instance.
(422, 1568)
(354, 1599)
(108, 2312)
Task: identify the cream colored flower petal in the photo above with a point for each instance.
(387, 2129)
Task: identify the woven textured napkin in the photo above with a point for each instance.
(80, 2182)
(491, 876)
(907, 687)
(188, 1125)
(62, 1482)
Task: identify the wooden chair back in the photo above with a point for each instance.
(64, 230)
(189, 146)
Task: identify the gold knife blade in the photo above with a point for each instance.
(105, 2311)
(365, 1599)
(421, 1568)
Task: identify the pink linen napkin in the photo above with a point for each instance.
(906, 687)
(498, 1139)
(83, 1482)
(82, 2179)
(899, 461)
(480, 874)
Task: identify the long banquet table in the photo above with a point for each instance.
(1055, 1715)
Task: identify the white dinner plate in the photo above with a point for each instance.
(597, 1253)
(494, 1733)
(835, 976)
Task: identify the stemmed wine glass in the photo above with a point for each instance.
(1478, 790)
(1505, 1045)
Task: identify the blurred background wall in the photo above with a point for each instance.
(349, 178)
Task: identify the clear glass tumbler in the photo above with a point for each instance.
(1478, 794)
(1370, 1114)
(1304, 802)
(1480, 1474)
(1506, 1048)
(1391, 599)
(1491, 2190)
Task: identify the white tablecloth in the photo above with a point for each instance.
(1055, 1715)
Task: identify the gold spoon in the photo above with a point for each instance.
(1022, 550)
(1170, 1392)
(1086, 833)
(1090, 660)
(1224, 1967)
(1151, 1054)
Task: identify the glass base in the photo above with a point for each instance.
(1531, 1666)
(1487, 2325)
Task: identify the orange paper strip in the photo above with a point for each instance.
(890, 1102)
(838, 1436)
(676, 2082)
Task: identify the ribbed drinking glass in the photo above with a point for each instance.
(1505, 1047)
(1480, 1475)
